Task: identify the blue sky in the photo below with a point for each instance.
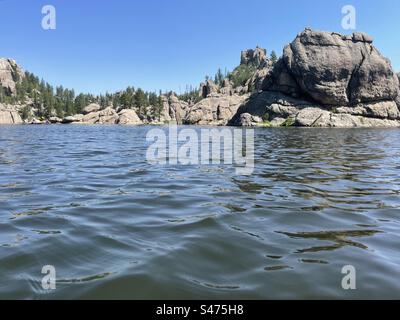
(102, 45)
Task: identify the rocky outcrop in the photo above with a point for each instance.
(9, 115)
(382, 110)
(248, 120)
(398, 97)
(208, 88)
(256, 57)
(215, 110)
(177, 108)
(270, 105)
(72, 119)
(108, 116)
(323, 79)
(256, 81)
(93, 107)
(55, 120)
(10, 74)
(281, 110)
(165, 116)
(128, 117)
(105, 116)
(336, 70)
(327, 80)
(316, 117)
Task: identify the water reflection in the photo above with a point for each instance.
(340, 239)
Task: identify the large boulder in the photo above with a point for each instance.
(93, 107)
(108, 116)
(215, 110)
(382, 109)
(9, 116)
(55, 120)
(73, 119)
(248, 120)
(129, 117)
(10, 74)
(91, 118)
(316, 117)
(336, 70)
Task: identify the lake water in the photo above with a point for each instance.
(84, 200)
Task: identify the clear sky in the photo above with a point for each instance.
(104, 45)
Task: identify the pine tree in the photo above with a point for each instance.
(274, 57)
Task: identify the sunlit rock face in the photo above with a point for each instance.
(10, 74)
(334, 69)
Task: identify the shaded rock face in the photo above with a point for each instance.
(9, 116)
(284, 110)
(255, 83)
(335, 70)
(281, 80)
(10, 74)
(271, 104)
(216, 110)
(248, 120)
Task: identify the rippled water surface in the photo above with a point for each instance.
(83, 199)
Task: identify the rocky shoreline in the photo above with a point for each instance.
(323, 79)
